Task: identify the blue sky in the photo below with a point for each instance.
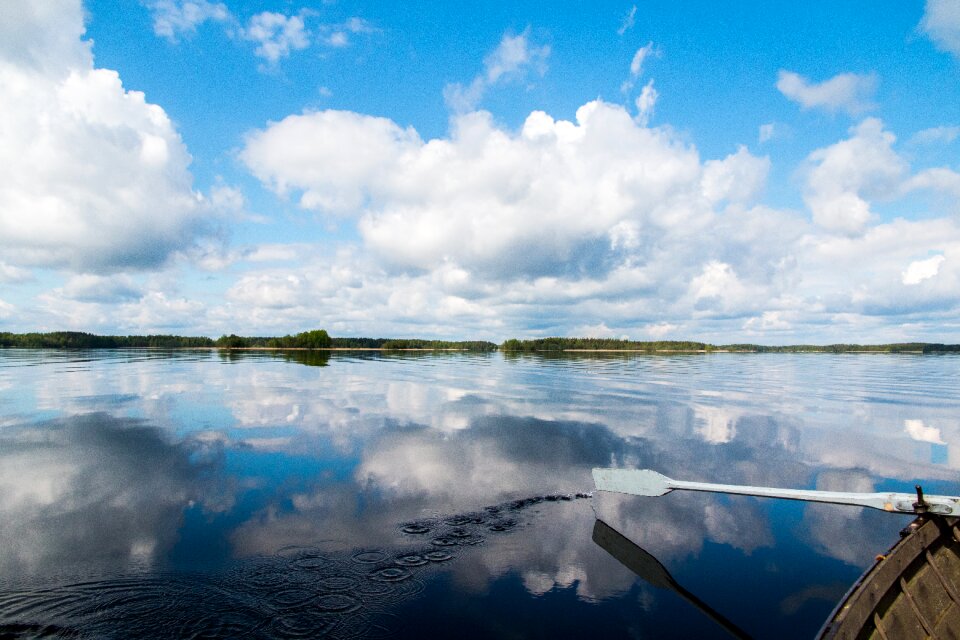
(757, 172)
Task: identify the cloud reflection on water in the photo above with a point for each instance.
(97, 489)
(339, 455)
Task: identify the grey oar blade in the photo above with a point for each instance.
(640, 482)
(632, 556)
(642, 563)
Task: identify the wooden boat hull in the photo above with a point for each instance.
(913, 591)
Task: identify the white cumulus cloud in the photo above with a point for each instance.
(332, 156)
(272, 291)
(844, 175)
(737, 178)
(941, 21)
(921, 270)
(848, 92)
(276, 35)
(484, 197)
(96, 178)
(939, 179)
(43, 36)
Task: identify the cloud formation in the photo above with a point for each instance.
(934, 135)
(920, 270)
(636, 64)
(628, 21)
(97, 177)
(338, 35)
(596, 221)
(513, 58)
(482, 198)
(63, 480)
(847, 92)
(276, 35)
(941, 22)
(843, 175)
(604, 221)
(601, 212)
(174, 18)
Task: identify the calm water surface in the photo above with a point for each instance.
(198, 495)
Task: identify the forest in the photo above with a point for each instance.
(320, 339)
(609, 344)
(315, 339)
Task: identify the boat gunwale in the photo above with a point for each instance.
(855, 610)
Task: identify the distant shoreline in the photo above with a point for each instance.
(780, 350)
(319, 340)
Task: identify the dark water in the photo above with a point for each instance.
(193, 495)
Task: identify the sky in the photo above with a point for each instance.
(775, 173)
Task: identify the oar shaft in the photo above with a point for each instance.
(875, 500)
(895, 502)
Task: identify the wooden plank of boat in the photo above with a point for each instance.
(913, 591)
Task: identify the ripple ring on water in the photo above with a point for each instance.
(369, 557)
(338, 603)
(293, 597)
(301, 624)
(444, 542)
(311, 563)
(391, 574)
(267, 578)
(410, 560)
(339, 583)
(416, 529)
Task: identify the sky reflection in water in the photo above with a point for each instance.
(353, 495)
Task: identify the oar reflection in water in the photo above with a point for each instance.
(642, 563)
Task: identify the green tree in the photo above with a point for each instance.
(318, 339)
(232, 341)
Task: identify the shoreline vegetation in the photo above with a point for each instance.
(321, 340)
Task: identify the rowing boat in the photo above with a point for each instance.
(912, 591)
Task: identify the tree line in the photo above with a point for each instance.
(610, 344)
(601, 344)
(315, 339)
(320, 339)
(80, 340)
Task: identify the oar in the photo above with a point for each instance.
(645, 482)
(641, 562)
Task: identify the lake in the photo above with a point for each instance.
(197, 494)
